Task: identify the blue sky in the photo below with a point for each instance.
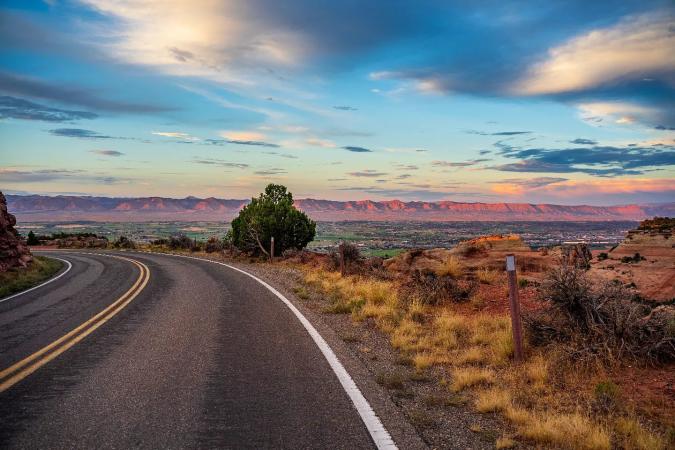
(562, 102)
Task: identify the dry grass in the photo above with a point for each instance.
(464, 377)
(548, 404)
(487, 275)
(572, 431)
(492, 400)
(505, 442)
(633, 435)
(451, 267)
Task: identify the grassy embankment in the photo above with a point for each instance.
(18, 279)
(546, 401)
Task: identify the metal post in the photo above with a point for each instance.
(272, 249)
(342, 259)
(514, 306)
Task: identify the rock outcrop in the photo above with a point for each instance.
(13, 250)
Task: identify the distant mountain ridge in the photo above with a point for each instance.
(70, 207)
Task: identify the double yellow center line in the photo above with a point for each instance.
(20, 370)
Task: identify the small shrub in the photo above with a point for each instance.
(32, 239)
(505, 442)
(181, 242)
(602, 256)
(124, 242)
(522, 283)
(492, 400)
(433, 289)
(213, 244)
(606, 395)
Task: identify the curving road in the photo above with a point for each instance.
(199, 356)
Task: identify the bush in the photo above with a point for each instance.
(432, 289)
(605, 319)
(181, 242)
(636, 258)
(32, 239)
(351, 253)
(272, 214)
(602, 256)
(213, 244)
(124, 242)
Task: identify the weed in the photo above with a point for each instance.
(18, 279)
(487, 275)
(572, 431)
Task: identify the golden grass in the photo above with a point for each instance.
(487, 275)
(464, 377)
(633, 435)
(451, 267)
(477, 349)
(504, 442)
(572, 431)
(492, 400)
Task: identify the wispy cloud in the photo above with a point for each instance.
(345, 108)
(356, 149)
(176, 135)
(106, 152)
(35, 88)
(496, 133)
(18, 108)
(220, 163)
(452, 164)
(370, 173)
(582, 141)
(79, 133)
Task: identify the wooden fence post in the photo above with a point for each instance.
(342, 259)
(272, 249)
(514, 306)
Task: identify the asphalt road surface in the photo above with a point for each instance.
(201, 356)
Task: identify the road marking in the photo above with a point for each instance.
(20, 370)
(70, 266)
(378, 433)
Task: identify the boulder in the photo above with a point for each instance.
(13, 250)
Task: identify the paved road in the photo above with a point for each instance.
(203, 357)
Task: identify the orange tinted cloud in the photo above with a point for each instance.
(581, 188)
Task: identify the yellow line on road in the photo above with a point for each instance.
(20, 370)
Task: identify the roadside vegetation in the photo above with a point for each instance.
(562, 395)
(18, 279)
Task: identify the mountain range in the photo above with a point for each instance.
(70, 207)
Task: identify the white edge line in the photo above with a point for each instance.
(378, 433)
(70, 266)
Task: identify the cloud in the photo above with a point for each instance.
(46, 175)
(407, 167)
(597, 160)
(236, 142)
(34, 88)
(664, 128)
(345, 108)
(106, 152)
(600, 191)
(17, 108)
(624, 113)
(518, 186)
(176, 135)
(79, 133)
(472, 162)
(370, 173)
(324, 143)
(497, 133)
(638, 47)
(271, 172)
(220, 163)
(355, 149)
(582, 141)
(243, 135)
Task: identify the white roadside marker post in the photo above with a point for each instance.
(272, 249)
(514, 306)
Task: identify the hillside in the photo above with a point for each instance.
(46, 208)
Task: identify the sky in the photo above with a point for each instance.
(568, 102)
